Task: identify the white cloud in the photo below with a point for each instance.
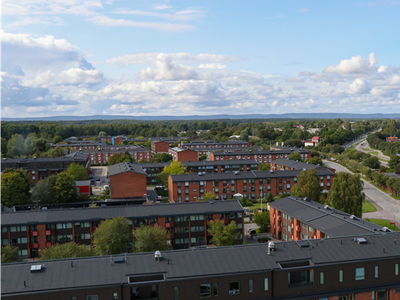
(110, 22)
(212, 66)
(359, 86)
(356, 64)
(275, 103)
(294, 79)
(183, 15)
(161, 6)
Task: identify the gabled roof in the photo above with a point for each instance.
(125, 167)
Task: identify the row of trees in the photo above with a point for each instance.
(16, 186)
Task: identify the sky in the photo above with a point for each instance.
(177, 58)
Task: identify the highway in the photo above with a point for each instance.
(387, 207)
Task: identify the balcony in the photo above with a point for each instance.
(291, 224)
(34, 245)
(298, 228)
(279, 228)
(33, 233)
(48, 244)
(279, 218)
(168, 225)
(223, 221)
(50, 232)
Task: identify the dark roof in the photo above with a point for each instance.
(131, 212)
(330, 221)
(258, 152)
(179, 149)
(80, 144)
(75, 156)
(82, 183)
(393, 175)
(199, 143)
(297, 165)
(202, 163)
(116, 149)
(190, 264)
(245, 175)
(124, 167)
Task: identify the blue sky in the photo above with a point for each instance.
(86, 57)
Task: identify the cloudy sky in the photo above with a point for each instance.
(143, 57)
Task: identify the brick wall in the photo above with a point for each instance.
(128, 185)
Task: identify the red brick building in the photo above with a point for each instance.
(210, 145)
(287, 164)
(253, 185)
(127, 181)
(158, 146)
(101, 155)
(295, 219)
(182, 154)
(186, 224)
(263, 156)
(392, 139)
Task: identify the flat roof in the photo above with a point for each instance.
(130, 212)
(75, 156)
(330, 221)
(192, 264)
(245, 175)
(125, 167)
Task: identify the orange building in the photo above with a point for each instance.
(127, 181)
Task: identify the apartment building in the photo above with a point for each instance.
(210, 145)
(183, 154)
(287, 164)
(363, 267)
(80, 145)
(186, 224)
(101, 155)
(261, 156)
(153, 169)
(159, 146)
(42, 167)
(253, 185)
(294, 219)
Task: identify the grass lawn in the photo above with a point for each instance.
(384, 223)
(165, 201)
(383, 159)
(367, 207)
(162, 193)
(374, 153)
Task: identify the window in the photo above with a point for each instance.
(205, 290)
(64, 225)
(32, 227)
(265, 284)
(381, 294)
(360, 273)
(234, 288)
(23, 252)
(178, 184)
(92, 297)
(82, 224)
(322, 184)
(179, 199)
(22, 240)
(300, 278)
(115, 296)
(182, 219)
(396, 269)
(4, 242)
(64, 237)
(197, 228)
(250, 285)
(187, 199)
(376, 271)
(340, 275)
(33, 239)
(186, 191)
(176, 293)
(17, 228)
(4, 229)
(321, 278)
(373, 295)
(215, 289)
(73, 298)
(187, 183)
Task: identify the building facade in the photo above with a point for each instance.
(158, 146)
(264, 156)
(253, 185)
(183, 154)
(101, 155)
(186, 224)
(127, 181)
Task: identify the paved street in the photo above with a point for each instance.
(387, 207)
(364, 145)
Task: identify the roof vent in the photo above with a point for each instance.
(118, 260)
(200, 174)
(353, 217)
(302, 243)
(306, 199)
(211, 201)
(271, 171)
(36, 268)
(327, 207)
(157, 255)
(236, 172)
(361, 240)
(385, 229)
(304, 169)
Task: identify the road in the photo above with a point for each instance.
(387, 207)
(364, 145)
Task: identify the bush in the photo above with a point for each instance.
(263, 239)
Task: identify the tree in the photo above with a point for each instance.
(176, 167)
(203, 157)
(57, 139)
(394, 161)
(262, 220)
(315, 160)
(114, 159)
(64, 188)
(15, 186)
(9, 254)
(397, 169)
(127, 158)
(372, 162)
(346, 193)
(264, 167)
(68, 250)
(16, 146)
(44, 190)
(113, 236)
(161, 157)
(245, 202)
(77, 171)
(102, 133)
(295, 156)
(307, 185)
(244, 135)
(270, 198)
(223, 235)
(149, 239)
(209, 195)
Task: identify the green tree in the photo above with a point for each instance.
(77, 171)
(397, 169)
(44, 190)
(223, 235)
(203, 157)
(208, 196)
(176, 167)
(161, 157)
(372, 162)
(15, 186)
(102, 134)
(307, 185)
(295, 156)
(113, 236)
(394, 161)
(57, 139)
(16, 146)
(127, 158)
(3, 147)
(270, 198)
(244, 135)
(346, 193)
(245, 202)
(149, 239)
(148, 144)
(114, 159)
(264, 167)
(64, 188)
(9, 254)
(262, 220)
(68, 250)
(315, 160)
